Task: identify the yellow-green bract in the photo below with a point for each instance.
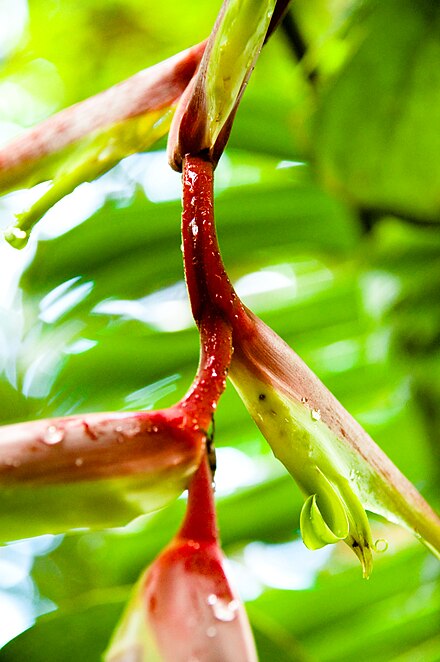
(339, 468)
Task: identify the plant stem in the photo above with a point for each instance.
(210, 381)
(200, 521)
(209, 287)
(290, 28)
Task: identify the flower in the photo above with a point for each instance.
(184, 608)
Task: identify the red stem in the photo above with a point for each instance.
(209, 287)
(200, 521)
(216, 309)
(215, 306)
(210, 381)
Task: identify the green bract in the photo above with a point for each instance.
(28, 511)
(206, 109)
(238, 38)
(314, 457)
(339, 468)
(89, 159)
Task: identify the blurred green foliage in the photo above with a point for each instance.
(340, 256)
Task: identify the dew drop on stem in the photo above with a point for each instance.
(132, 428)
(315, 414)
(53, 435)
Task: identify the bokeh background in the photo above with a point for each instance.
(328, 208)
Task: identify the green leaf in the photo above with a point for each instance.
(79, 640)
(377, 131)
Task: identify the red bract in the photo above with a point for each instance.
(152, 89)
(76, 448)
(184, 608)
(115, 466)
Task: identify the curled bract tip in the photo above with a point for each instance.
(315, 531)
(335, 513)
(324, 517)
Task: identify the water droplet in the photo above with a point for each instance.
(53, 435)
(79, 462)
(155, 428)
(381, 545)
(355, 475)
(193, 544)
(120, 434)
(211, 632)
(132, 428)
(192, 176)
(194, 228)
(225, 611)
(18, 233)
(315, 414)
(211, 599)
(214, 373)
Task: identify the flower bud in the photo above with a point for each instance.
(184, 608)
(206, 110)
